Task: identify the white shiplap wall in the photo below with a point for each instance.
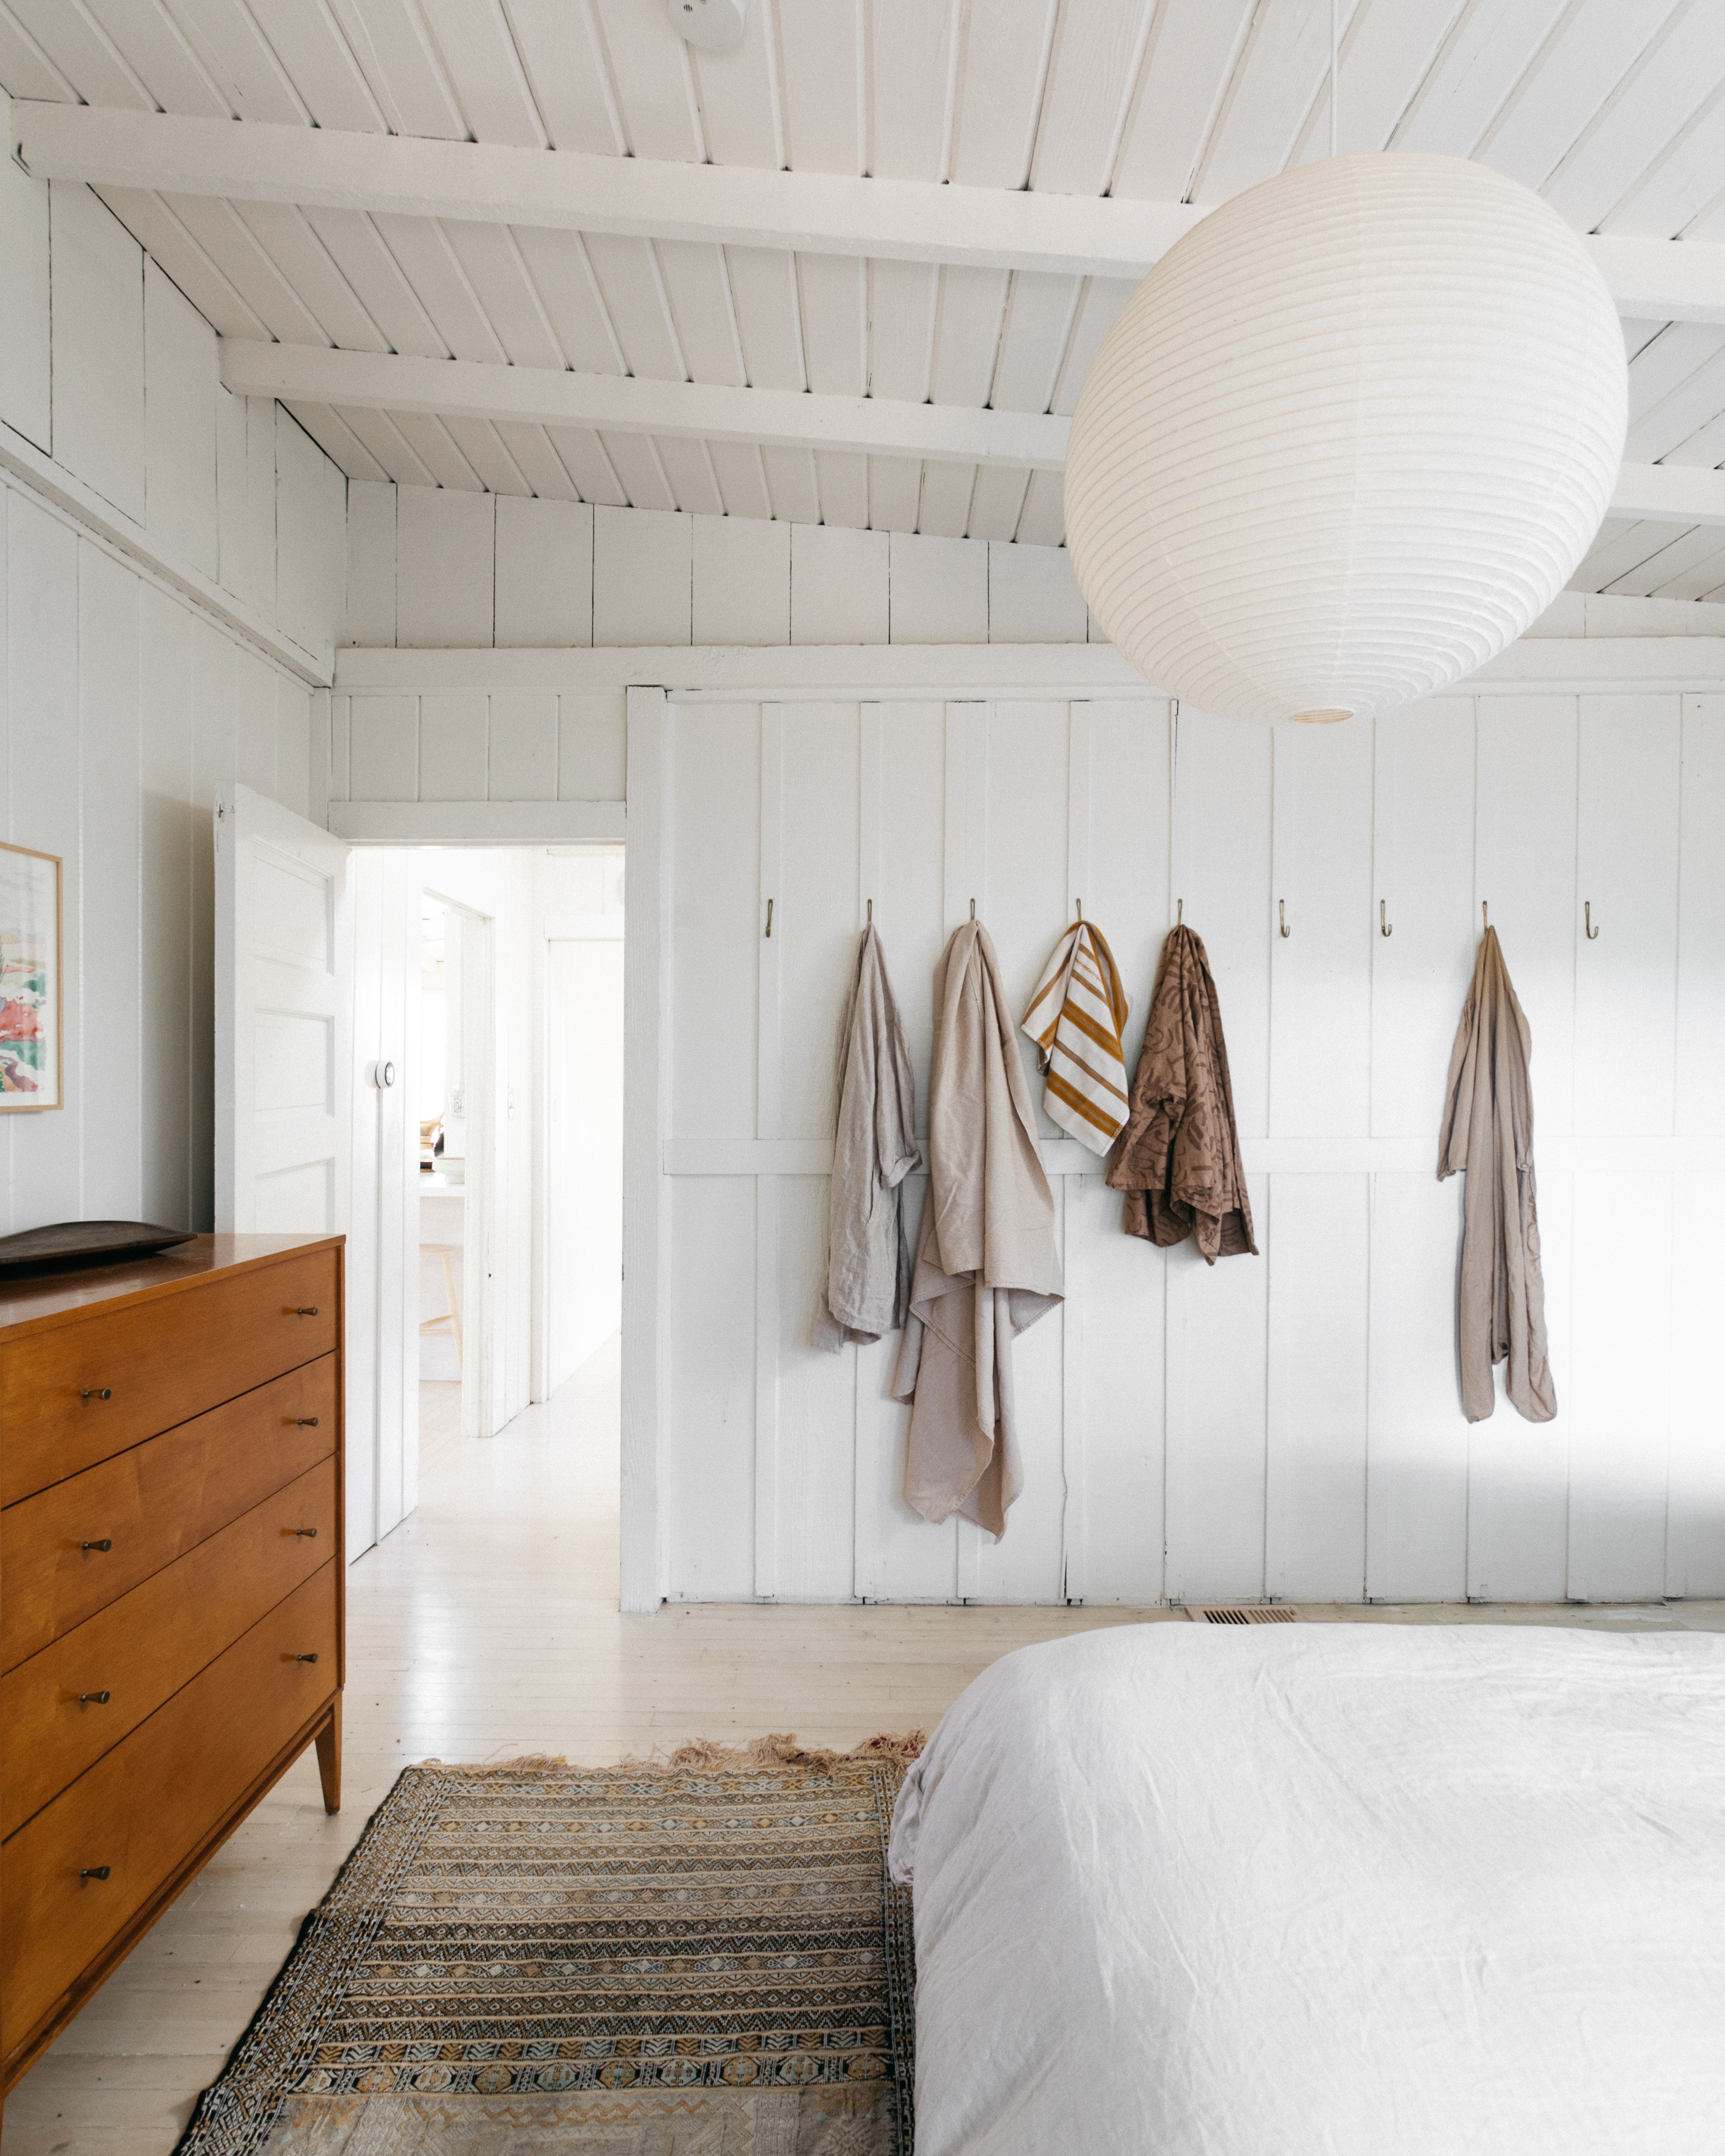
(432, 567)
(123, 708)
(112, 408)
(1287, 1425)
(172, 580)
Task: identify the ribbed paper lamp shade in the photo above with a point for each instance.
(1346, 439)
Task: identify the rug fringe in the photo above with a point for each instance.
(779, 1748)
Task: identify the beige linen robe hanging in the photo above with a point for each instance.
(874, 1147)
(987, 1268)
(1178, 1159)
(1488, 1134)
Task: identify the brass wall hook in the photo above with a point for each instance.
(1484, 917)
(1593, 933)
(872, 913)
(972, 909)
(1079, 903)
(1384, 928)
(769, 916)
(1179, 913)
(1281, 908)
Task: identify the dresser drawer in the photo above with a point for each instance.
(160, 1362)
(153, 1503)
(147, 1807)
(66, 1706)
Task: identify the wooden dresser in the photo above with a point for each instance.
(172, 1582)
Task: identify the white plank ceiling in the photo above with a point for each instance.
(1614, 109)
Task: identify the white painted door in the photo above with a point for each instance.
(284, 1014)
(584, 1192)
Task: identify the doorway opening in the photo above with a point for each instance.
(498, 977)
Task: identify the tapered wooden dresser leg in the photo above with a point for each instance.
(329, 1757)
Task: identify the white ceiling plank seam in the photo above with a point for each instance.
(466, 389)
(775, 419)
(815, 213)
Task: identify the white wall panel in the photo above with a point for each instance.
(369, 614)
(1620, 1376)
(1626, 873)
(642, 583)
(1218, 1347)
(311, 569)
(25, 398)
(1321, 951)
(1319, 1256)
(838, 586)
(444, 569)
(544, 572)
(128, 709)
(98, 343)
(1416, 1438)
(452, 750)
(1696, 1554)
(180, 389)
(590, 746)
(523, 745)
(1423, 877)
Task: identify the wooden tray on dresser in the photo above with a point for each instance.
(172, 1581)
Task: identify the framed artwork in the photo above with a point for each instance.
(32, 980)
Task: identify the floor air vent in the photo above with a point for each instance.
(1243, 1613)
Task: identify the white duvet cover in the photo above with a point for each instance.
(1324, 1890)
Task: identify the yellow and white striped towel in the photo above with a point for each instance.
(1076, 1018)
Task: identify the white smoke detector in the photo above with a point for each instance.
(715, 24)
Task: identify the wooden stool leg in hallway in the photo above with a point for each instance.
(452, 1315)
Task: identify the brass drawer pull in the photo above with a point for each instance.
(308, 1422)
(310, 1531)
(100, 1393)
(305, 1658)
(310, 1311)
(95, 1871)
(94, 1698)
(105, 1544)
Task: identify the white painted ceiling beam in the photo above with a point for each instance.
(776, 418)
(870, 426)
(732, 205)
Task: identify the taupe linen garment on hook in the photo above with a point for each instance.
(1178, 1159)
(873, 1149)
(987, 1268)
(1488, 1133)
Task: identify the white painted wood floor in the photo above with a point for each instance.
(485, 1627)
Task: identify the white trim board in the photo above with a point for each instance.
(1553, 664)
(476, 823)
(727, 205)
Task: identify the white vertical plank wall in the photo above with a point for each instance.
(1288, 1426)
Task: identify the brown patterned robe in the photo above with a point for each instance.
(1178, 1159)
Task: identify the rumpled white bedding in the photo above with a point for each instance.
(1324, 1890)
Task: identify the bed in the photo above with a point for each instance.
(1324, 1890)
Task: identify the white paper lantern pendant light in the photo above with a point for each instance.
(1347, 439)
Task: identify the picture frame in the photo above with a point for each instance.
(32, 981)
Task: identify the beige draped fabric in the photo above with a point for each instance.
(873, 1149)
(987, 1268)
(1178, 1159)
(1488, 1134)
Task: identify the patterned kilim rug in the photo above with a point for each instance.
(703, 1959)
